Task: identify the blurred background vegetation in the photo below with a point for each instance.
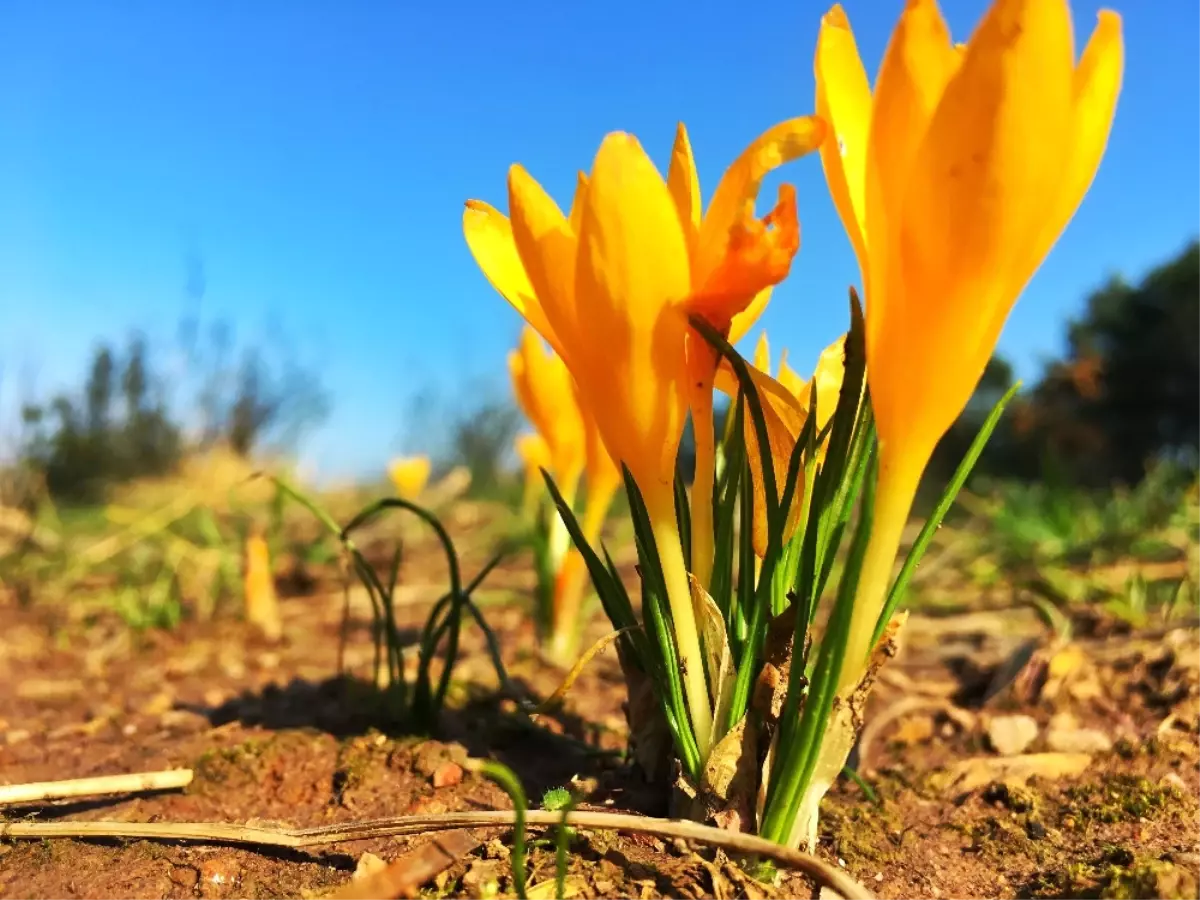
(133, 479)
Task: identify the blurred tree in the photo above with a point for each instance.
(120, 424)
(1126, 393)
(1134, 365)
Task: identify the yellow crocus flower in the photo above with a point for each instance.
(610, 287)
(546, 395)
(409, 475)
(735, 259)
(954, 180)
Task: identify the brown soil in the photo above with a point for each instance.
(275, 735)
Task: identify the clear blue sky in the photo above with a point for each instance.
(316, 156)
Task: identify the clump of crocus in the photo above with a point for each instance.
(954, 179)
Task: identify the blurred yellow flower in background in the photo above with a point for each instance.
(409, 475)
(546, 395)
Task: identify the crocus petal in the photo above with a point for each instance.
(546, 246)
(1097, 84)
(735, 196)
(684, 182)
(828, 375)
(918, 64)
(546, 395)
(843, 100)
(490, 238)
(409, 475)
(745, 320)
(759, 254)
(762, 353)
(738, 255)
(577, 201)
(632, 277)
(792, 382)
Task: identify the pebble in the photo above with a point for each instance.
(1012, 735)
(1078, 740)
(447, 774)
(368, 864)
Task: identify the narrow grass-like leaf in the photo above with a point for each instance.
(798, 756)
(511, 785)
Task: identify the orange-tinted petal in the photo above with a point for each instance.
(745, 320)
(738, 255)
(758, 255)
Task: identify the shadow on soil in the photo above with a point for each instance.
(545, 750)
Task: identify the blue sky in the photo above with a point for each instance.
(316, 156)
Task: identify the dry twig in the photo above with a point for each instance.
(86, 787)
(297, 838)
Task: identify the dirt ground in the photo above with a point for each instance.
(1101, 800)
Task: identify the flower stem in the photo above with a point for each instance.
(687, 639)
(896, 488)
(702, 490)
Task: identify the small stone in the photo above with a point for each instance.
(914, 730)
(185, 876)
(604, 888)
(1172, 779)
(447, 774)
(1011, 735)
(1078, 740)
(368, 865)
(129, 730)
(482, 879)
(879, 876)
(218, 876)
